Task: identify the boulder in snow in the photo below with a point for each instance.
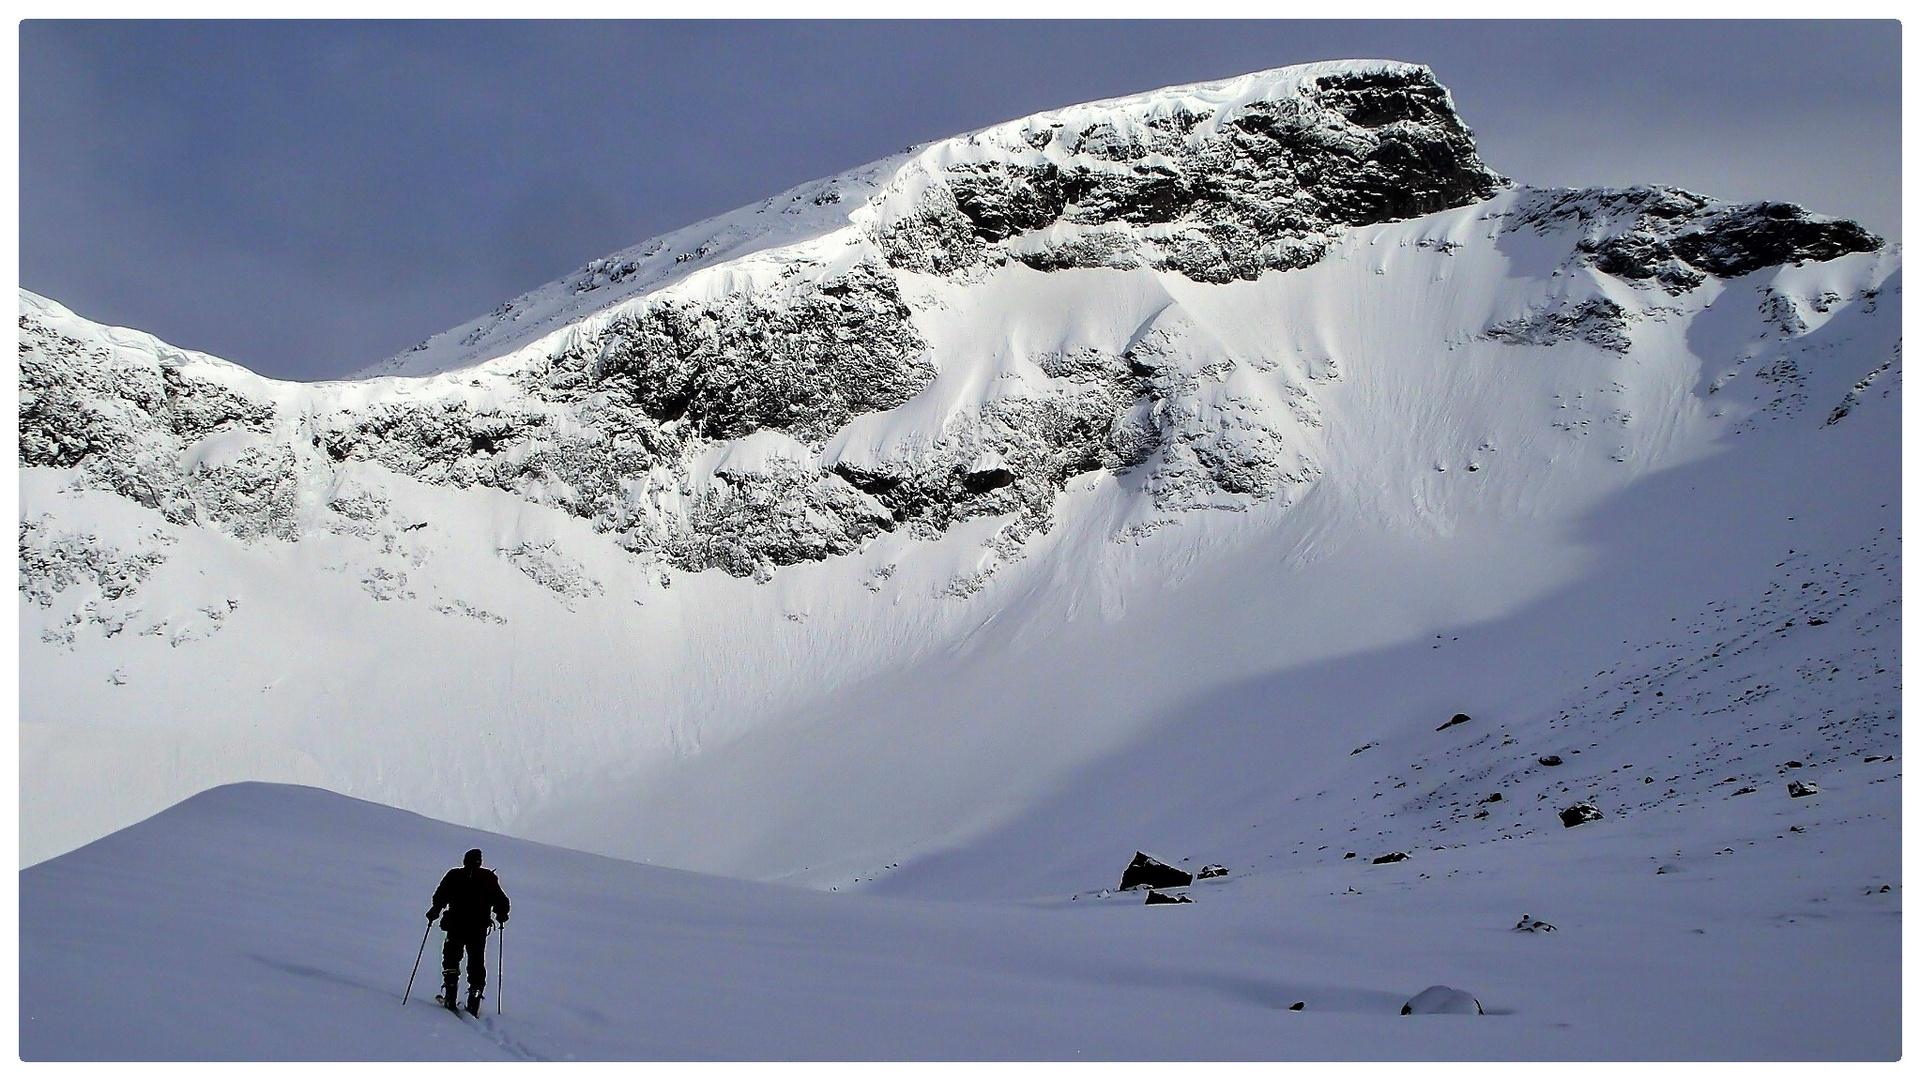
(1549, 760)
(1154, 874)
(1532, 925)
(1798, 789)
(1458, 718)
(1442, 999)
(1392, 856)
(1211, 870)
(1167, 898)
(1580, 814)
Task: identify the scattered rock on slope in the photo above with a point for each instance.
(1580, 814)
(1154, 874)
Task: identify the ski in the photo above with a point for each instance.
(471, 1009)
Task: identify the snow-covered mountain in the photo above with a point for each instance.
(1154, 472)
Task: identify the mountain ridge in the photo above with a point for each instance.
(488, 593)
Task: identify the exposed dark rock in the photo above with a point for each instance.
(1231, 196)
(1799, 790)
(1532, 925)
(1151, 872)
(124, 418)
(1297, 1006)
(1350, 855)
(1597, 321)
(1746, 238)
(1167, 898)
(1392, 857)
(1495, 797)
(1580, 814)
(979, 483)
(804, 365)
(1795, 765)
(1675, 238)
(1211, 870)
(1549, 760)
(1458, 718)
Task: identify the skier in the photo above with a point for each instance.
(469, 893)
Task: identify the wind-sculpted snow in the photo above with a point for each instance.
(1219, 183)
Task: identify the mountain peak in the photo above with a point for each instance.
(1216, 181)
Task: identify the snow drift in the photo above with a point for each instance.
(268, 922)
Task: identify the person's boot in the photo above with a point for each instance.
(473, 1003)
(450, 995)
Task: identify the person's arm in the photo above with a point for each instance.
(440, 896)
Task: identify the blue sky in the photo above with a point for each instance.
(308, 198)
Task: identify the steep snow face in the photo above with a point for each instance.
(882, 481)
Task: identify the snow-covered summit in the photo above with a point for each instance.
(1217, 181)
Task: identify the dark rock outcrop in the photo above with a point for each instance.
(1675, 239)
(1580, 814)
(1799, 790)
(1597, 321)
(1392, 857)
(1215, 195)
(1152, 873)
(1458, 718)
(1211, 870)
(1167, 898)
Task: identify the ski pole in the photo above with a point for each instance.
(416, 962)
(500, 971)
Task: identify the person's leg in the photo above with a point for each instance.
(450, 968)
(477, 963)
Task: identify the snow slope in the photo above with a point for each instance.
(269, 922)
(465, 651)
(1160, 474)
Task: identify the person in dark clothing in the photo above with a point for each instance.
(469, 894)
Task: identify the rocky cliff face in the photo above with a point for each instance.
(702, 423)
(1218, 185)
